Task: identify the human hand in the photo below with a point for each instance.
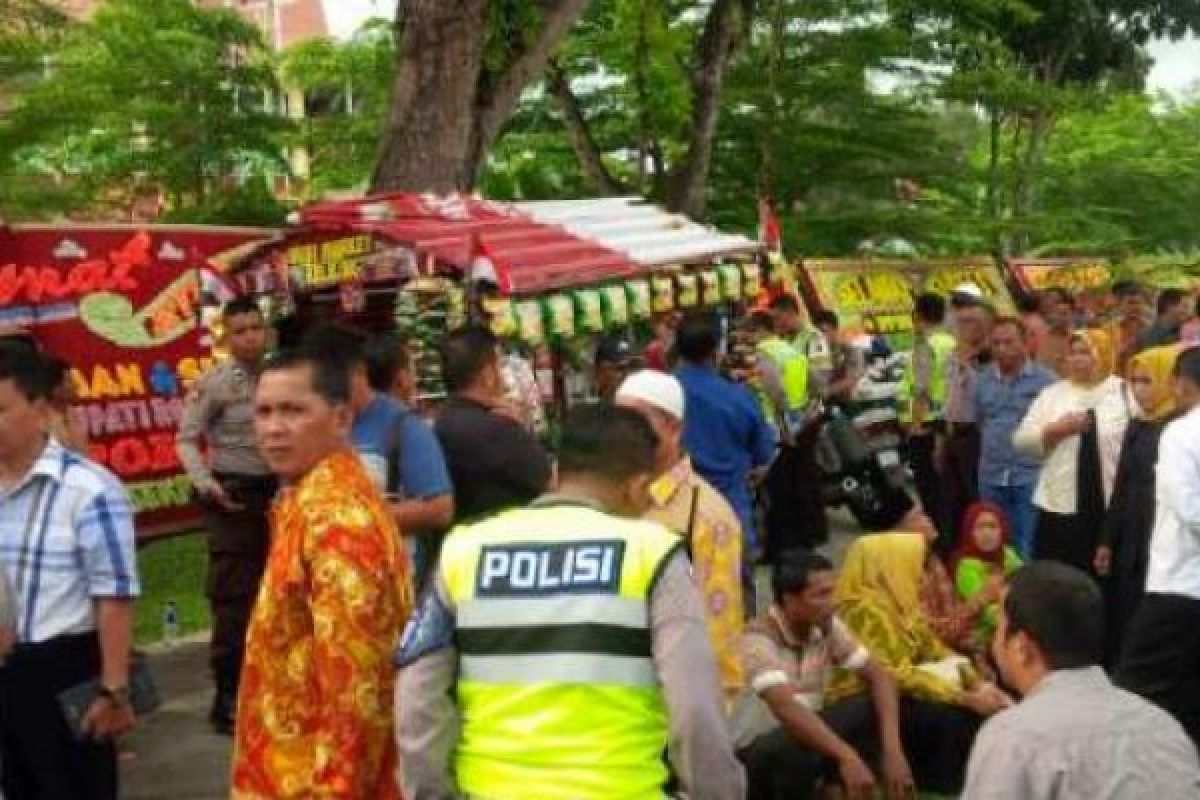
(217, 495)
(1102, 562)
(986, 700)
(856, 777)
(107, 718)
(8, 638)
(993, 590)
(1070, 424)
(897, 774)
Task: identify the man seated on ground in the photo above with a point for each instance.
(786, 736)
(1075, 736)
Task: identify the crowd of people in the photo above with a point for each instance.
(431, 608)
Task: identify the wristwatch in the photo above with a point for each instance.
(119, 695)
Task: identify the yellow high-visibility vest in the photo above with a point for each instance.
(558, 692)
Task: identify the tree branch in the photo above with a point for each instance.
(591, 161)
(496, 104)
(726, 21)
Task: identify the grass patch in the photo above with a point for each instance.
(173, 569)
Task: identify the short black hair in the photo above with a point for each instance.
(1187, 366)
(825, 317)
(341, 342)
(1010, 322)
(1062, 294)
(1061, 609)
(465, 353)
(698, 337)
(28, 369)
(607, 441)
(1127, 288)
(242, 304)
(930, 308)
(387, 356)
(1168, 299)
(785, 302)
(760, 321)
(794, 569)
(330, 374)
(1027, 302)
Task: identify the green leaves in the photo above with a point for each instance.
(149, 94)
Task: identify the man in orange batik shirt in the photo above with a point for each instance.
(315, 712)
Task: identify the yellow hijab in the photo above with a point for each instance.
(1157, 363)
(886, 568)
(1104, 353)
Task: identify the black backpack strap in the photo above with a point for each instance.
(394, 452)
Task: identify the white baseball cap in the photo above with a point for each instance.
(969, 290)
(654, 388)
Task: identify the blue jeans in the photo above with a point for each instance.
(1017, 503)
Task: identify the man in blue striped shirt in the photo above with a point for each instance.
(67, 549)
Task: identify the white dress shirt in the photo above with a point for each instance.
(1057, 484)
(1175, 544)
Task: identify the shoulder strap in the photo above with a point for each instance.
(395, 449)
(691, 523)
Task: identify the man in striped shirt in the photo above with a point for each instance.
(67, 549)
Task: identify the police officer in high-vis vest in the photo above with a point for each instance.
(562, 647)
(920, 399)
(795, 500)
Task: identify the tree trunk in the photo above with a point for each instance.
(591, 161)
(995, 131)
(446, 108)
(712, 55)
(433, 118)
(499, 94)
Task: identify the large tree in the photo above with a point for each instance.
(461, 66)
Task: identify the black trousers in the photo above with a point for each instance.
(961, 479)
(40, 759)
(937, 740)
(1161, 657)
(237, 556)
(794, 487)
(929, 482)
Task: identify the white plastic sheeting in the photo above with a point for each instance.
(645, 233)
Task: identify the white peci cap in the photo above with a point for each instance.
(654, 388)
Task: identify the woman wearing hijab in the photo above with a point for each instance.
(1076, 427)
(982, 561)
(1124, 549)
(878, 597)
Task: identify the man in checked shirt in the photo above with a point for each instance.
(67, 550)
(234, 488)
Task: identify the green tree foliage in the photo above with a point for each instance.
(345, 89)
(147, 95)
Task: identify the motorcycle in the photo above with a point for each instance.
(859, 449)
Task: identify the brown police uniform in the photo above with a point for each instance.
(219, 412)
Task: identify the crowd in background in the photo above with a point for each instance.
(573, 612)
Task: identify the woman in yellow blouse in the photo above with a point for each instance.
(878, 597)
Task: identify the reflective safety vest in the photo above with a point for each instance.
(941, 345)
(792, 364)
(557, 686)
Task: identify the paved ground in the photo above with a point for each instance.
(174, 755)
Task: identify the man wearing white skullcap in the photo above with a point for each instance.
(690, 506)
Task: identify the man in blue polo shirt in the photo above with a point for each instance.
(724, 430)
(399, 448)
(1002, 396)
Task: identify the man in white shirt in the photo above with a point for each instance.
(1161, 659)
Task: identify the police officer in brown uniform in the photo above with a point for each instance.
(234, 489)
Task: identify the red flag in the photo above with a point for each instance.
(770, 235)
